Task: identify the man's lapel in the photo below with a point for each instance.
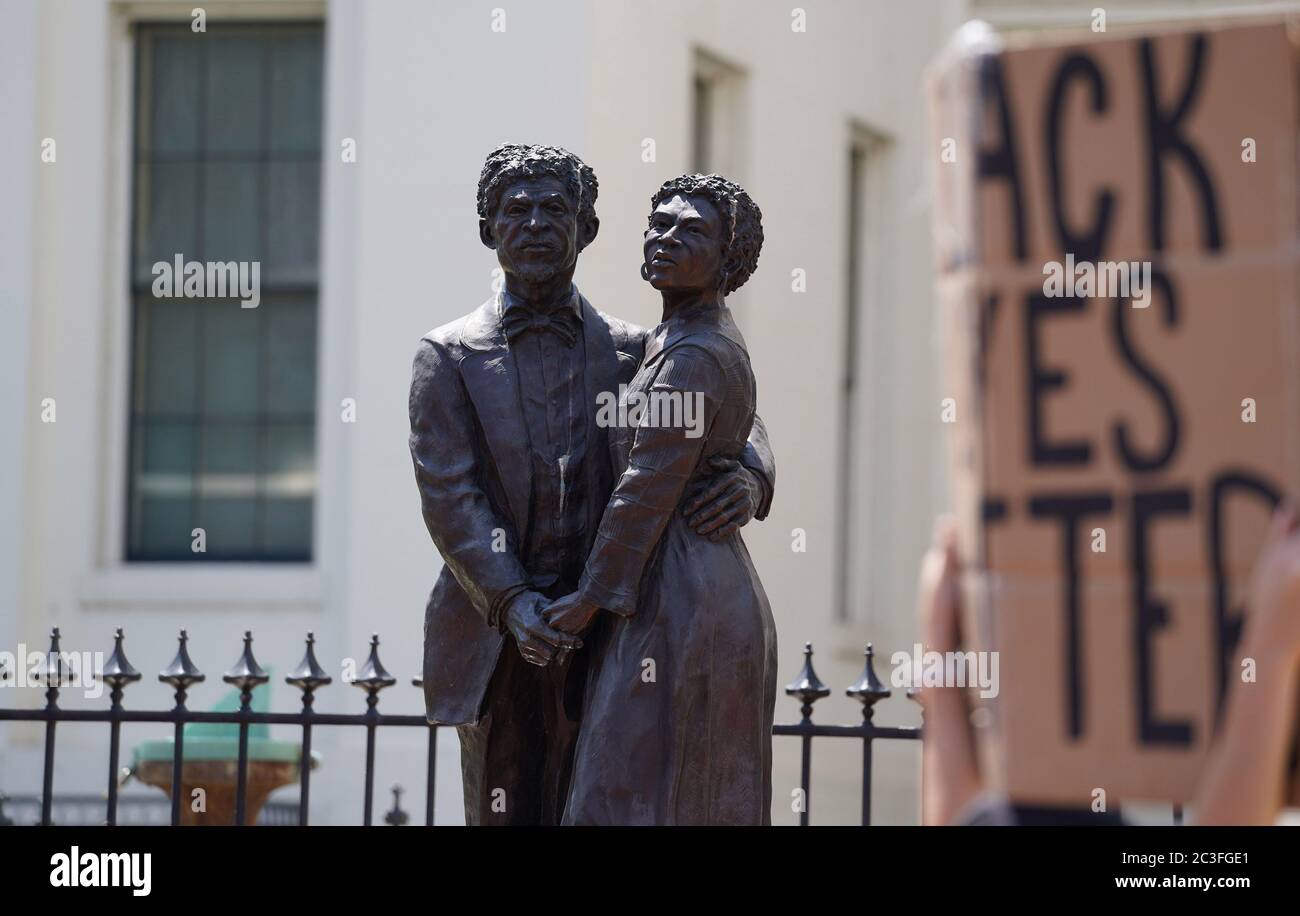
(493, 384)
(602, 369)
(602, 377)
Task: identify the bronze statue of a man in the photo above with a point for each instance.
(514, 473)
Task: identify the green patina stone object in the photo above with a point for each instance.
(211, 763)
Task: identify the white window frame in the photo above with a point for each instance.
(113, 583)
(729, 126)
(857, 522)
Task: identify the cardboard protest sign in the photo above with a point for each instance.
(1116, 235)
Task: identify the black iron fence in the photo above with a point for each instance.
(867, 690)
(246, 674)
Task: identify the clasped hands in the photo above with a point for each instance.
(547, 631)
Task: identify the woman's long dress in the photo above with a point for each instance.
(677, 726)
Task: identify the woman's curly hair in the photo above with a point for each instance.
(743, 222)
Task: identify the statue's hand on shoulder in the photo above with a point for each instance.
(537, 641)
(726, 502)
(571, 614)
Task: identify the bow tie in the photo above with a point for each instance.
(562, 322)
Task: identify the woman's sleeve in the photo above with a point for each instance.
(661, 463)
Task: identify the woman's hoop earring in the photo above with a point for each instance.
(645, 274)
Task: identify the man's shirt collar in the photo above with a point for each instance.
(507, 301)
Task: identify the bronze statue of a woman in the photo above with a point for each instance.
(677, 722)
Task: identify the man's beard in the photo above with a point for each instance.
(539, 272)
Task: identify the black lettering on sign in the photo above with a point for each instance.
(1152, 615)
(1087, 244)
(1071, 509)
(988, 312)
(1041, 381)
(1001, 161)
(992, 511)
(1164, 139)
(1227, 628)
(1133, 458)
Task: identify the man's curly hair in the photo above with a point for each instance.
(743, 221)
(518, 160)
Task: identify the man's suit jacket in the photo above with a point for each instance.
(469, 443)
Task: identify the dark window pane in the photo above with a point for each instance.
(286, 525)
(229, 459)
(171, 123)
(163, 493)
(290, 358)
(223, 398)
(232, 211)
(290, 463)
(166, 523)
(295, 94)
(168, 454)
(168, 329)
(236, 92)
(167, 201)
(231, 359)
(293, 218)
(230, 527)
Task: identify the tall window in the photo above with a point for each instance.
(227, 153)
(702, 92)
(717, 117)
(854, 509)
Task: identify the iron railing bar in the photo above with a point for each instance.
(47, 780)
(370, 774)
(846, 731)
(805, 778)
(431, 777)
(53, 679)
(241, 776)
(232, 718)
(304, 775)
(178, 764)
(866, 782)
(114, 752)
(381, 720)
